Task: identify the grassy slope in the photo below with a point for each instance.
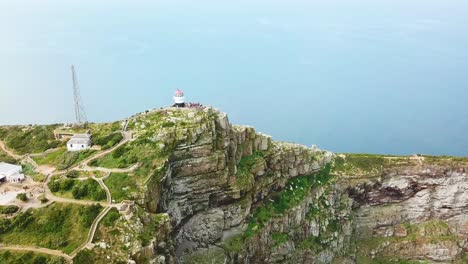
(121, 185)
(5, 158)
(63, 159)
(29, 139)
(19, 257)
(58, 226)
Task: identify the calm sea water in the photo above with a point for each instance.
(387, 76)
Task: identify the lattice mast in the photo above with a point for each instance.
(80, 114)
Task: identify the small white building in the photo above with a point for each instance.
(179, 98)
(11, 172)
(79, 142)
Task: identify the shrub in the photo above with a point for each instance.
(43, 199)
(89, 213)
(118, 152)
(84, 257)
(73, 174)
(88, 188)
(107, 141)
(54, 186)
(111, 217)
(66, 184)
(296, 190)
(10, 209)
(22, 196)
(4, 225)
(67, 160)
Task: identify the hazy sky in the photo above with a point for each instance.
(387, 76)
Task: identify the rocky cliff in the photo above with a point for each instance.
(218, 193)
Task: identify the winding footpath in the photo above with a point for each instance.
(127, 136)
(47, 251)
(9, 152)
(82, 166)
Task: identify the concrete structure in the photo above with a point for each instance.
(11, 173)
(79, 142)
(179, 98)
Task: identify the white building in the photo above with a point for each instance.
(179, 98)
(11, 173)
(79, 142)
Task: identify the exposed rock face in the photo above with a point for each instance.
(418, 213)
(232, 197)
(203, 191)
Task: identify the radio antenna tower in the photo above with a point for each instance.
(80, 114)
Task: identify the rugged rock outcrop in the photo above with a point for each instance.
(215, 179)
(231, 195)
(416, 212)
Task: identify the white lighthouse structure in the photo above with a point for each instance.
(179, 98)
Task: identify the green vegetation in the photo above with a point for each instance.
(280, 238)
(121, 185)
(29, 171)
(312, 243)
(111, 217)
(85, 256)
(63, 159)
(43, 199)
(358, 164)
(446, 160)
(234, 244)
(244, 177)
(107, 141)
(87, 189)
(22, 196)
(8, 209)
(74, 174)
(103, 130)
(294, 193)
(152, 223)
(58, 226)
(32, 139)
(50, 158)
(18, 257)
(6, 158)
(430, 232)
(296, 190)
(122, 157)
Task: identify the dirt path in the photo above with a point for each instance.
(94, 226)
(82, 166)
(92, 231)
(57, 199)
(127, 136)
(107, 170)
(104, 187)
(38, 250)
(9, 152)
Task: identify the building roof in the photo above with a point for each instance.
(6, 168)
(81, 136)
(81, 139)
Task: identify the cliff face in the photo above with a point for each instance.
(219, 177)
(414, 212)
(220, 193)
